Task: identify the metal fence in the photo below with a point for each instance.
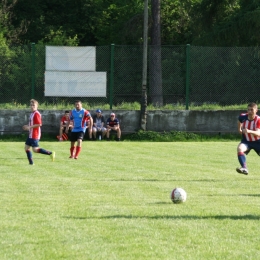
(185, 75)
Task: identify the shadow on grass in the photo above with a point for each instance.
(144, 180)
(159, 217)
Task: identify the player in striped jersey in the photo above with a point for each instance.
(34, 128)
(79, 116)
(249, 127)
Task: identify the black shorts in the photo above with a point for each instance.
(74, 136)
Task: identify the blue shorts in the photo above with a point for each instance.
(32, 142)
(253, 145)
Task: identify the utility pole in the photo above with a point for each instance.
(144, 78)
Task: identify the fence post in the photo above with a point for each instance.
(33, 68)
(187, 76)
(111, 83)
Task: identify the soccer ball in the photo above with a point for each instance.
(178, 195)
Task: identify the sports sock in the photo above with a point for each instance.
(64, 136)
(43, 151)
(78, 149)
(72, 149)
(242, 159)
(29, 156)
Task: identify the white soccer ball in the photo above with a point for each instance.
(178, 195)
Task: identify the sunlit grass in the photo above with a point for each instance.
(113, 202)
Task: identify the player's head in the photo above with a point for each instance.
(34, 104)
(78, 105)
(67, 113)
(252, 109)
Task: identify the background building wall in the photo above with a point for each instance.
(11, 121)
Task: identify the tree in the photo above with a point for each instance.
(155, 56)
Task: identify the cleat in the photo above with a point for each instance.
(52, 156)
(76, 157)
(242, 170)
(71, 157)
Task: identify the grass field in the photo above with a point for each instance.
(113, 202)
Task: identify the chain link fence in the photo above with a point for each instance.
(176, 75)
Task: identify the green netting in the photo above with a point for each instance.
(218, 75)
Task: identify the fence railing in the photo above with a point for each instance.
(186, 75)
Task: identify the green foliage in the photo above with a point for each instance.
(60, 38)
(177, 136)
(89, 22)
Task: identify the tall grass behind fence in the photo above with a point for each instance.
(186, 75)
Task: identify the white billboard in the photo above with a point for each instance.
(75, 84)
(70, 58)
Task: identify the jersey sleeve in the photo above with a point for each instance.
(242, 117)
(87, 115)
(37, 119)
(258, 123)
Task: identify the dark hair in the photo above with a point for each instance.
(252, 104)
(67, 111)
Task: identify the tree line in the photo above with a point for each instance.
(102, 22)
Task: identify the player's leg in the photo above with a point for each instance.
(64, 134)
(242, 148)
(118, 133)
(73, 139)
(79, 144)
(94, 132)
(27, 148)
(90, 132)
(37, 149)
(108, 132)
(104, 132)
(61, 132)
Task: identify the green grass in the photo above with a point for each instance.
(126, 106)
(113, 202)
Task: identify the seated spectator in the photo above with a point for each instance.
(98, 125)
(63, 122)
(113, 125)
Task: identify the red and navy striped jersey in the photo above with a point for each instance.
(35, 119)
(251, 125)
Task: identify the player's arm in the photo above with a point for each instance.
(62, 121)
(90, 121)
(253, 132)
(68, 123)
(37, 122)
(28, 127)
(239, 127)
(108, 125)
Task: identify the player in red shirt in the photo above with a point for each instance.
(249, 127)
(63, 123)
(34, 128)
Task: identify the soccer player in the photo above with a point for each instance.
(63, 124)
(249, 127)
(79, 116)
(113, 125)
(34, 128)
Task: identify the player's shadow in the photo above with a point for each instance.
(166, 180)
(159, 217)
